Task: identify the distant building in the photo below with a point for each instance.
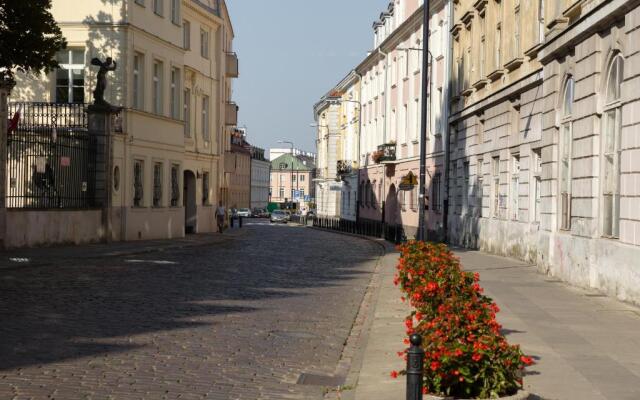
(260, 177)
(238, 171)
(291, 174)
(277, 152)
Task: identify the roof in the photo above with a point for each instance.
(298, 163)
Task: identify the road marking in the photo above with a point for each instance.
(19, 259)
(160, 262)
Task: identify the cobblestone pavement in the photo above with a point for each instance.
(240, 319)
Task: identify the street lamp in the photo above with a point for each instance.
(291, 178)
(423, 125)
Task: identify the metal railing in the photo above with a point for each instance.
(51, 157)
(390, 232)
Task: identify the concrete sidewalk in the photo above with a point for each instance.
(586, 346)
(44, 255)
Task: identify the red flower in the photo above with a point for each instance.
(526, 360)
(435, 365)
(394, 374)
(476, 357)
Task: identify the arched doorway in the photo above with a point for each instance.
(189, 198)
(391, 206)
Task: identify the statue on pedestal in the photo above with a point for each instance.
(101, 81)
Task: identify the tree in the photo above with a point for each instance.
(29, 37)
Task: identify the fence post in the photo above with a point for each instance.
(415, 364)
(5, 90)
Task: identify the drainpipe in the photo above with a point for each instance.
(384, 128)
(445, 117)
(359, 75)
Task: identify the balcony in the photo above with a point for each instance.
(385, 152)
(231, 114)
(231, 66)
(345, 167)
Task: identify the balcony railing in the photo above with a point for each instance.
(386, 152)
(345, 167)
(231, 114)
(231, 65)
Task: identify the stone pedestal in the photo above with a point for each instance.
(101, 125)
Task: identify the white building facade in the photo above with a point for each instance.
(260, 178)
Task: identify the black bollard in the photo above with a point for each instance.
(240, 222)
(415, 363)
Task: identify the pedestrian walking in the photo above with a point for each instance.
(220, 214)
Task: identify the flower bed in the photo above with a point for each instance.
(466, 356)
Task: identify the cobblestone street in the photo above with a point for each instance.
(239, 319)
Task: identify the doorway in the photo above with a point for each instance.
(189, 198)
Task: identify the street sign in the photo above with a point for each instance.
(409, 181)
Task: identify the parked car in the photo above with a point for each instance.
(244, 212)
(279, 216)
(311, 213)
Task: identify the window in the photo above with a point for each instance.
(566, 142)
(282, 193)
(480, 186)
(541, 21)
(175, 185)
(70, 76)
(187, 113)
(498, 44)
(515, 187)
(158, 7)
(281, 179)
(495, 189)
(465, 187)
(536, 162)
(301, 178)
(175, 93)
(435, 193)
(157, 185)
(138, 81)
(175, 11)
(368, 194)
(157, 87)
(412, 199)
(186, 35)
(205, 118)
(483, 45)
(480, 133)
(204, 43)
(612, 128)
(138, 183)
(205, 188)
(293, 178)
(516, 30)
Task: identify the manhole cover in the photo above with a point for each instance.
(320, 380)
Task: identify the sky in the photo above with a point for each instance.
(291, 53)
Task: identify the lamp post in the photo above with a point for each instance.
(423, 126)
(291, 178)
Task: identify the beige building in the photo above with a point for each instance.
(238, 172)
(338, 134)
(173, 80)
(544, 160)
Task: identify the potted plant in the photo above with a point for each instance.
(466, 355)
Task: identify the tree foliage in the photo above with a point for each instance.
(29, 37)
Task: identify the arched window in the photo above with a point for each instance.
(361, 193)
(368, 193)
(611, 149)
(566, 142)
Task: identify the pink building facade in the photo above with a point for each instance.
(391, 90)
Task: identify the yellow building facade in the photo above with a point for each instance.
(173, 81)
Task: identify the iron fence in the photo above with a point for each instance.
(51, 157)
(390, 232)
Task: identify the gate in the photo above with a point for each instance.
(51, 157)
